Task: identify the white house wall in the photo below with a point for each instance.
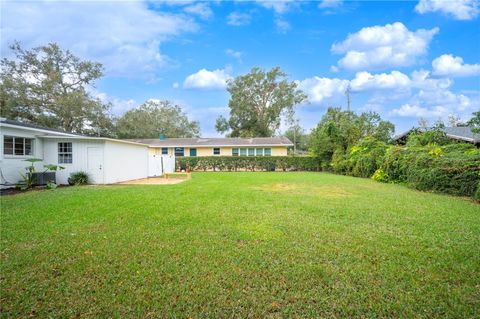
(79, 154)
(11, 166)
(125, 162)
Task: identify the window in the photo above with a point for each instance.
(164, 150)
(193, 152)
(243, 152)
(268, 152)
(179, 151)
(235, 152)
(216, 151)
(20, 146)
(259, 152)
(65, 155)
(251, 152)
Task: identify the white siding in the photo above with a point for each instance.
(12, 166)
(125, 162)
(110, 161)
(79, 154)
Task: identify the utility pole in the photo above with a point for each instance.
(347, 94)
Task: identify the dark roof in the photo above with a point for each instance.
(215, 141)
(463, 133)
(29, 125)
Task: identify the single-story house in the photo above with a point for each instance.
(258, 146)
(459, 133)
(106, 160)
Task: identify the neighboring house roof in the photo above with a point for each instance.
(463, 133)
(55, 133)
(233, 142)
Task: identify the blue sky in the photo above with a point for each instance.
(405, 60)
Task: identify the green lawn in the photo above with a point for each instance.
(240, 245)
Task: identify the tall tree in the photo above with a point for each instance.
(257, 102)
(50, 87)
(339, 130)
(474, 122)
(296, 134)
(155, 117)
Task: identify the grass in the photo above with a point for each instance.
(240, 245)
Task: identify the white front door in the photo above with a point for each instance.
(155, 167)
(95, 165)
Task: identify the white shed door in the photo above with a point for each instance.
(95, 164)
(155, 165)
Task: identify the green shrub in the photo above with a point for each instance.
(78, 178)
(365, 157)
(250, 163)
(380, 176)
(452, 169)
(476, 196)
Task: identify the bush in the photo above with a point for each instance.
(250, 163)
(78, 178)
(476, 196)
(365, 157)
(380, 176)
(452, 169)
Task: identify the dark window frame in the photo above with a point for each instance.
(164, 150)
(179, 150)
(65, 152)
(20, 146)
(216, 149)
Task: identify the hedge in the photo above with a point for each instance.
(248, 163)
(452, 169)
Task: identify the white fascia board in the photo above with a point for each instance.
(36, 129)
(74, 137)
(233, 146)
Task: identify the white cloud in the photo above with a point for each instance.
(282, 25)
(417, 95)
(394, 80)
(409, 110)
(278, 6)
(449, 65)
(201, 9)
(175, 85)
(207, 80)
(433, 99)
(239, 19)
(119, 106)
(458, 9)
(124, 36)
(421, 80)
(234, 54)
(323, 90)
(379, 47)
(330, 4)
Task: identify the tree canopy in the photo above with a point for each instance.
(155, 117)
(339, 130)
(474, 122)
(257, 102)
(50, 87)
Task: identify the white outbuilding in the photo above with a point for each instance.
(105, 160)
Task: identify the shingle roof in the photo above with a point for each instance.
(29, 125)
(234, 141)
(463, 133)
